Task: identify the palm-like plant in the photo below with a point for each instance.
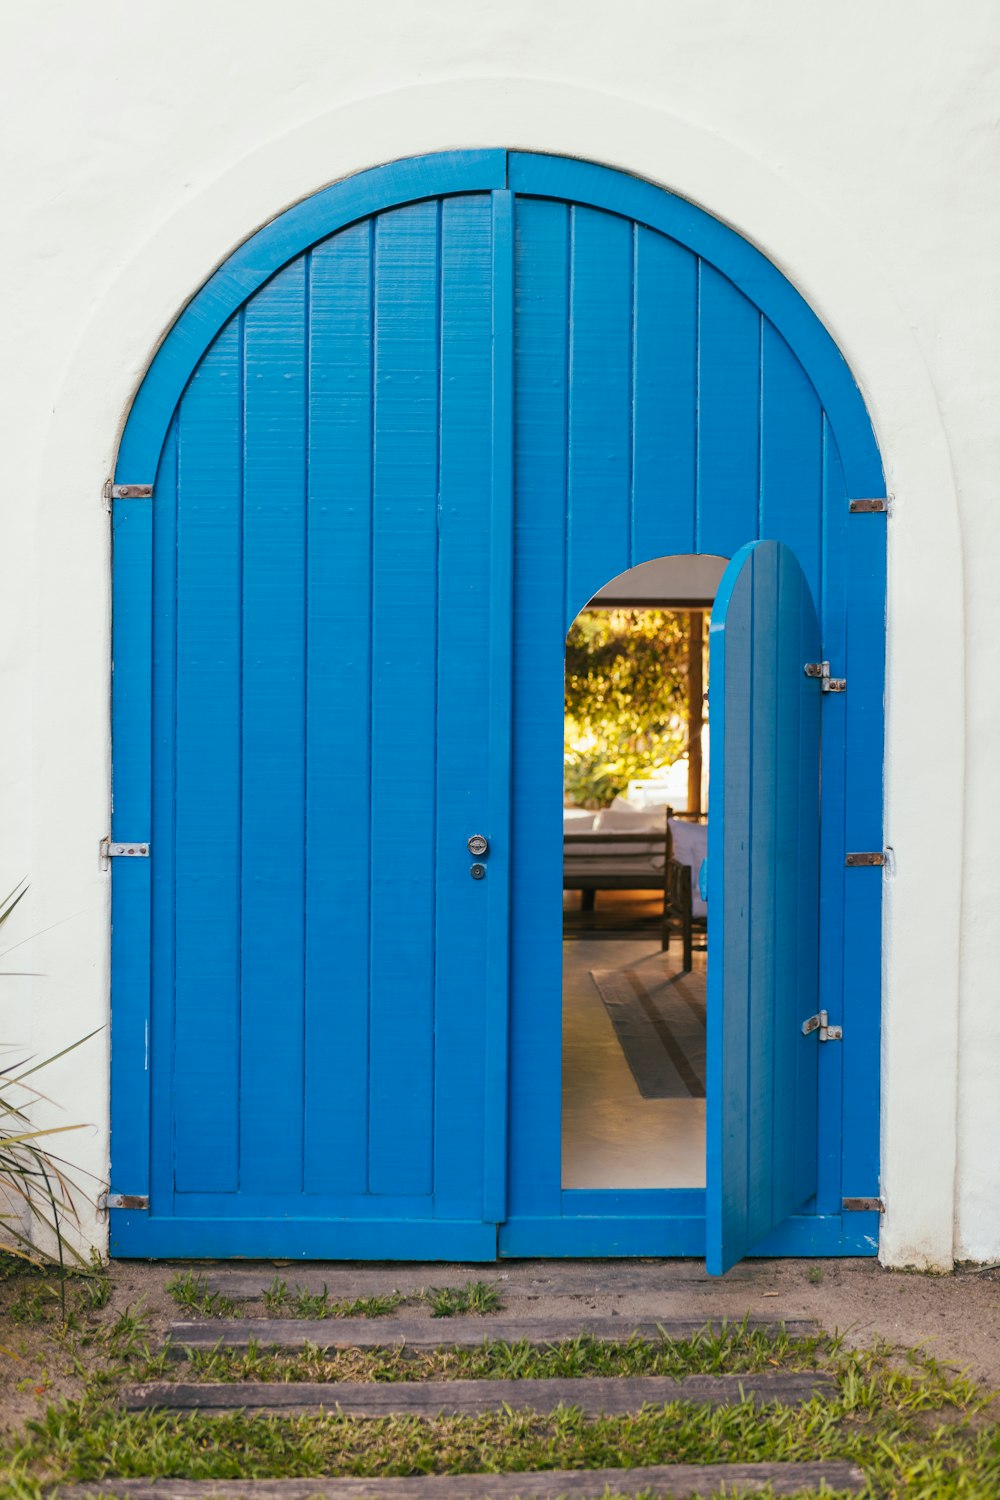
(33, 1179)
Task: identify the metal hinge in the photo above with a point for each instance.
(110, 851)
(870, 507)
(126, 1200)
(863, 1205)
(873, 857)
(821, 1022)
(828, 684)
(114, 491)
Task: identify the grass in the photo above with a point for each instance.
(877, 1419)
(45, 1293)
(299, 1302)
(919, 1431)
(191, 1293)
(737, 1350)
(473, 1297)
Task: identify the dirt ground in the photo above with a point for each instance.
(956, 1318)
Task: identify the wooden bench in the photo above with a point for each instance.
(614, 861)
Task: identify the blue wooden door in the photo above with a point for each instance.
(396, 442)
(763, 896)
(331, 625)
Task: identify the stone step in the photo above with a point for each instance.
(445, 1333)
(594, 1396)
(667, 1482)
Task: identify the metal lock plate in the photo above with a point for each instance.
(478, 845)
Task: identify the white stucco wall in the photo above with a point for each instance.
(856, 144)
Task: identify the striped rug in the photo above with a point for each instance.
(659, 1019)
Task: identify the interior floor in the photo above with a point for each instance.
(613, 1137)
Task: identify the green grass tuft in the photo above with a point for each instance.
(737, 1350)
(473, 1297)
(918, 1430)
(299, 1302)
(192, 1295)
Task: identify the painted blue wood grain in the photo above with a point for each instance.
(257, 259)
(729, 832)
(832, 958)
(464, 709)
(404, 675)
(735, 258)
(664, 403)
(765, 691)
(286, 1237)
(866, 569)
(727, 507)
(496, 1089)
(273, 800)
(524, 172)
(162, 870)
(765, 803)
(791, 457)
(598, 519)
(540, 438)
(208, 771)
(131, 647)
(769, 440)
(795, 906)
(797, 1177)
(338, 709)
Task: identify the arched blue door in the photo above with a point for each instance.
(398, 440)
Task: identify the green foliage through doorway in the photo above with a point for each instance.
(626, 698)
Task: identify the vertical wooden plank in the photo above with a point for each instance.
(207, 1006)
(789, 680)
(467, 712)
(404, 647)
(540, 385)
(865, 656)
(164, 889)
(833, 875)
(729, 839)
(696, 705)
(796, 916)
(728, 416)
(806, 1055)
(764, 890)
(338, 708)
(763, 902)
(600, 359)
(501, 704)
(792, 511)
(273, 735)
(664, 397)
(791, 456)
(131, 646)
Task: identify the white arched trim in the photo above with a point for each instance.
(825, 261)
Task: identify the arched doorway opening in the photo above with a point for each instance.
(635, 857)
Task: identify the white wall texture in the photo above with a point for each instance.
(856, 144)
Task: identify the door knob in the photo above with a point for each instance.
(478, 845)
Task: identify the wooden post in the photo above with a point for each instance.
(696, 691)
